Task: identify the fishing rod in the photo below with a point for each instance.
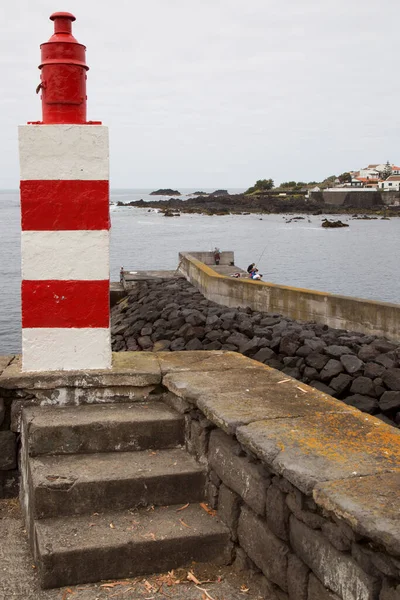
(262, 254)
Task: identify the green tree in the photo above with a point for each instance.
(288, 184)
(330, 179)
(345, 177)
(387, 171)
(262, 185)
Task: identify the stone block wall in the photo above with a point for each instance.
(308, 486)
(8, 442)
(298, 549)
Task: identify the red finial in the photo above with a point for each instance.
(62, 22)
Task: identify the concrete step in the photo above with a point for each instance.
(123, 544)
(87, 483)
(102, 428)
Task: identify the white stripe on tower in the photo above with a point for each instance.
(65, 247)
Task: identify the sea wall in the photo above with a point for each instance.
(340, 312)
(307, 486)
(355, 199)
(208, 258)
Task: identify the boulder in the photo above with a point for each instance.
(250, 347)
(318, 385)
(145, 342)
(351, 363)
(363, 385)
(264, 354)
(213, 335)
(367, 353)
(341, 383)
(316, 360)
(194, 344)
(289, 345)
(178, 344)
(304, 351)
(373, 370)
(384, 360)
(212, 345)
(383, 346)
(331, 369)
(161, 345)
(316, 344)
(390, 402)
(237, 339)
(337, 351)
(391, 378)
(364, 403)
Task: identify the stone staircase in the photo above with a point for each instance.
(101, 489)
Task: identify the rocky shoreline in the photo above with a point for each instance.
(171, 314)
(224, 204)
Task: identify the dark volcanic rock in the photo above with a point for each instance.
(316, 360)
(391, 378)
(331, 369)
(363, 385)
(337, 351)
(264, 354)
(165, 192)
(351, 363)
(341, 383)
(364, 403)
(368, 353)
(172, 315)
(373, 370)
(390, 401)
(322, 387)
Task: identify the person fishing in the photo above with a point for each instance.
(254, 274)
(251, 267)
(217, 255)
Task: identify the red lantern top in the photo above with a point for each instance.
(63, 74)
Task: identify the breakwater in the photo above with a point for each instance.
(344, 312)
(171, 315)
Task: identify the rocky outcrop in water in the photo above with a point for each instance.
(362, 370)
(165, 192)
(333, 224)
(221, 203)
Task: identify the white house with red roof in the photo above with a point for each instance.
(391, 184)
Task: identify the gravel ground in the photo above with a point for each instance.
(18, 577)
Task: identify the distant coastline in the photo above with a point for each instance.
(223, 203)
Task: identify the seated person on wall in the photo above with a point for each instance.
(254, 274)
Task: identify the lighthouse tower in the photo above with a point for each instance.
(64, 165)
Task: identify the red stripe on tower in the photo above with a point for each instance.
(64, 205)
(65, 221)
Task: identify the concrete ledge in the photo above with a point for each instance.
(128, 369)
(349, 462)
(369, 504)
(341, 312)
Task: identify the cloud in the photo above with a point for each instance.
(218, 92)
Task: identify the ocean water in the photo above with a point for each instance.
(361, 260)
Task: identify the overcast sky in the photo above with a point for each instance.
(218, 93)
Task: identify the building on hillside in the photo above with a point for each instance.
(391, 184)
(370, 173)
(366, 182)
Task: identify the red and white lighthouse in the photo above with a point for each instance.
(64, 164)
